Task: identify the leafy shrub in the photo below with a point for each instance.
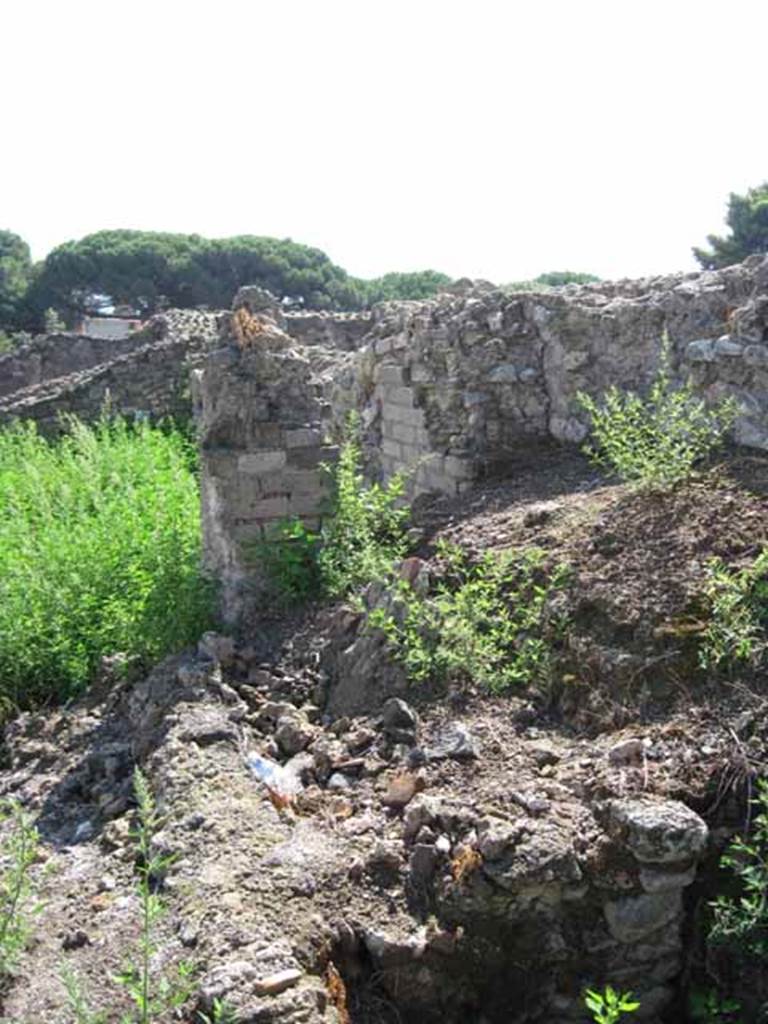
(738, 603)
(655, 441)
(741, 921)
(609, 1005)
(484, 621)
(99, 553)
(709, 1007)
(365, 532)
(18, 904)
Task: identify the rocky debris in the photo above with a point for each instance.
(659, 832)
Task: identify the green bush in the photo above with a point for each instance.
(18, 902)
(658, 440)
(484, 622)
(741, 921)
(99, 553)
(738, 609)
(364, 533)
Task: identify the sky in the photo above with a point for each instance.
(484, 139)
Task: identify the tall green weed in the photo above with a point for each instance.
(655, 441)
(99, 553)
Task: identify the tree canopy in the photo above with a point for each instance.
(15, 275)
(149, 270)
(747, 219)
(551, 279)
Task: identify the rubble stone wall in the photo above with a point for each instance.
(56, 355)
(151, 377)
(450, 387)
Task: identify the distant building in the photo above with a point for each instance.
(114, 327)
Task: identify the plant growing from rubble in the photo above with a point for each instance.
(483, 622)
(656, 441)
(364, 533)
(609, 1006)
(741, 920)
(19, 851)
(738, 607)
(154, 995)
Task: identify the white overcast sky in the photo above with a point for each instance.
(484, 139)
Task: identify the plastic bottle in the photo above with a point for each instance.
(282, 784)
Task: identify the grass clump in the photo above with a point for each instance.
(485, 622)
(364, 533)
(657, 441)
(738, 607)
(18, 902)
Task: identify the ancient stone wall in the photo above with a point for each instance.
(57, 355)
(263, 438)
(451, 387)
(343, 331)
(150, 378)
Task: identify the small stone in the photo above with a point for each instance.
(278, 982)
(402, 789)
(659, 832)
(454, 741)
(657, 880)
(423, 862)
(545, 756)
(188, 935)
(339, 781)
(293, 734)
(626, 751)
(635, 917)
(75, 940)
(384, 856)
(443, 845)
(217, 647)
(359, 740)
(397, 716)
(106, 883)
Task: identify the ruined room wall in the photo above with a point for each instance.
(454, 384)
(56, 355)
(151, 379)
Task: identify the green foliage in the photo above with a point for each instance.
(741, 921)
(290, 561)
(99, 553)
(709, 1007)
(747, 219)
(18, 905)
(364, 533)
(420, 284)
(609, 1005)
(367, 530)
(658, 440)
(15, 277)
(483, 622)
(738, 606)
(550, 279)
(151, 270)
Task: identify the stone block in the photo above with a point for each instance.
(310, 458)
(271, 508)
(261, 462)
(403, 414)
(303, 437)
(399, 396)
(390, 373)
(458, 468)
(305, 504)
(701, 351)
(635, 917)
(404, 433)
(391, 448)
(304, 481)
(421, 374)
(726, 347)
(382, 346)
